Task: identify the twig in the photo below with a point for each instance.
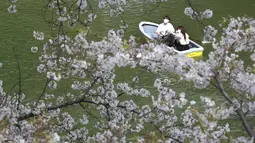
(71, 134)
(44, 90)
(199, 21)
(19, 70)
(90, 113)
(119, 15)
(162, 133)
(8, 92)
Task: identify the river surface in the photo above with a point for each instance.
(16, 32)
(137, 11)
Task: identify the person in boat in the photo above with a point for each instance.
(181, 39)
(165, 28)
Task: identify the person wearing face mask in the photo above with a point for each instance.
(166, 31)
(165, 28)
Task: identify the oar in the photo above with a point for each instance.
(199, 41)
(206, 42)
(196, 40)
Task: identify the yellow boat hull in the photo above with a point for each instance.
(195, 54)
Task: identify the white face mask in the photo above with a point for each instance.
(166, 21)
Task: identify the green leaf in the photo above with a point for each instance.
(125, 45)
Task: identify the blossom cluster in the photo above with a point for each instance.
(189, 11)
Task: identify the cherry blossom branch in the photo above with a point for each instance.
(133, 83)
(238, 111)
(243, 91)
(199, 21)
(72, 134)
(148, 112)
(120, 15)
(89, 113)
(72, 103)
(69, 9)
(162, 133)
(43, 11)
(61, 26)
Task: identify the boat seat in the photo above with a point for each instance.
(150, 30)
(192, 45)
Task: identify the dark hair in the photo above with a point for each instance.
(167, 17)
(182, 31)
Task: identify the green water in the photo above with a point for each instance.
(16, 33)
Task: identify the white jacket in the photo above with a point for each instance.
(180, 38)
(165, 29)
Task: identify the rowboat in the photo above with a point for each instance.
(149, 29)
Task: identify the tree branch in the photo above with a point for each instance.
(71, 103)
(44, 90)
(19, 70)
(200, 22)
(162, 133)
(239, 111)
(90, 113)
